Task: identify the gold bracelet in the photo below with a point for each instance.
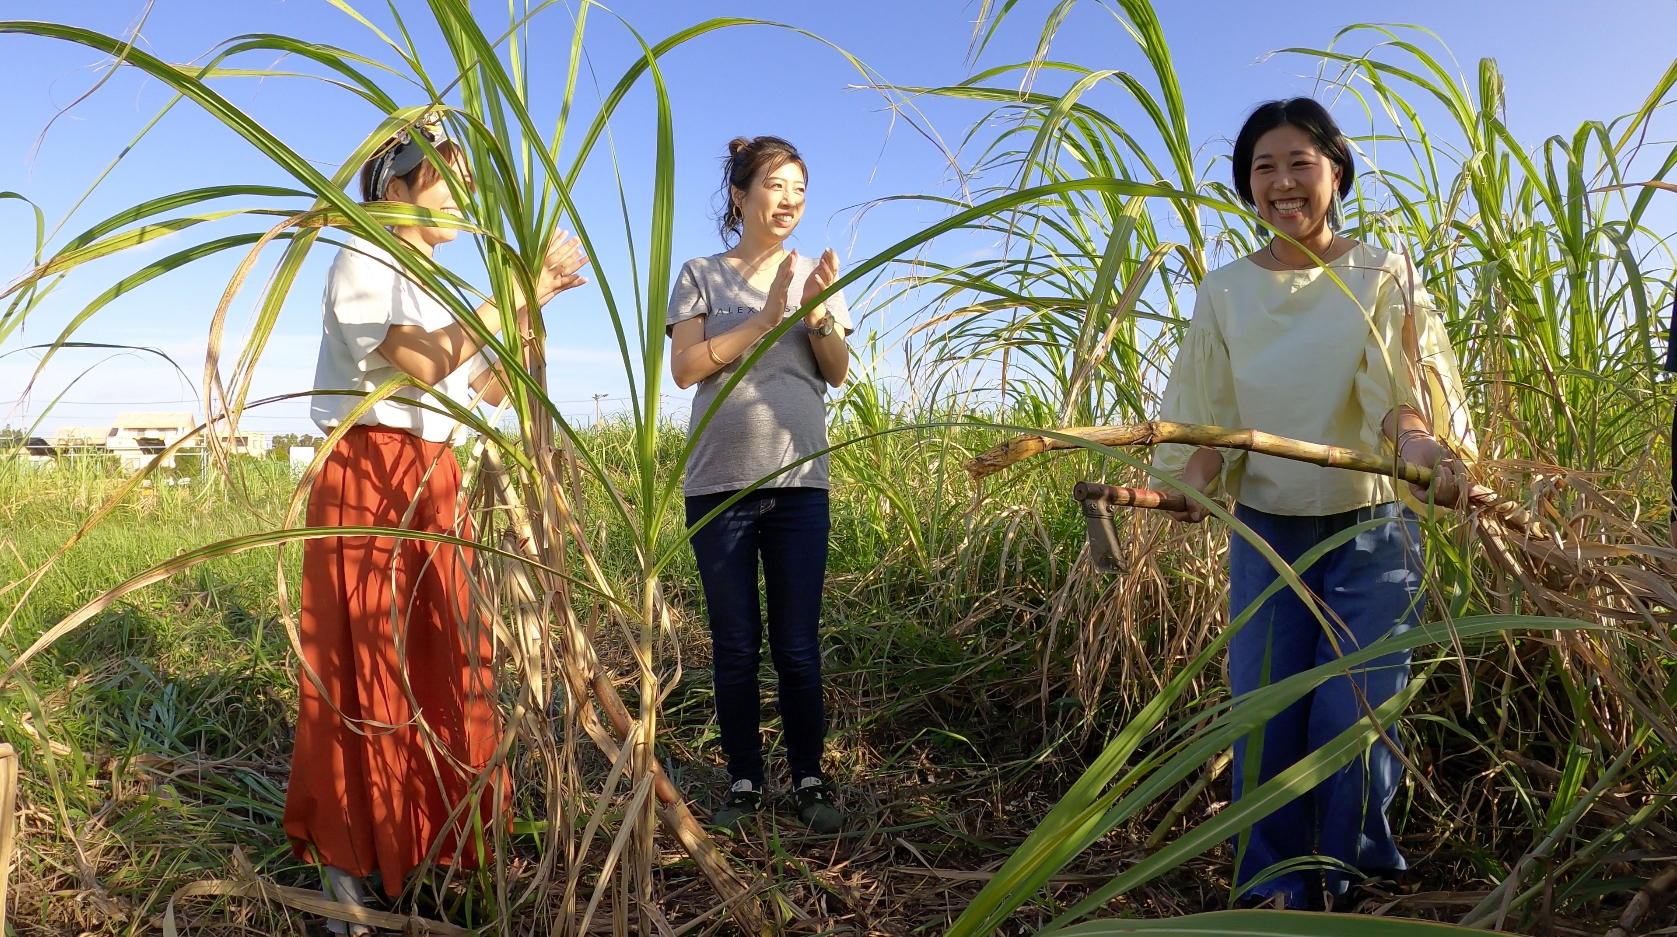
(711, 350)
(1404, 437)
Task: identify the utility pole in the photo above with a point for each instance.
(597, 399)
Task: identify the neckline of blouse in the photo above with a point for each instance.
(1357, 246)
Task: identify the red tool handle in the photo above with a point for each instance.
(1111, 496)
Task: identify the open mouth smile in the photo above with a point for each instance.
(1288, 207)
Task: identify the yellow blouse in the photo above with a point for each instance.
(1296, 354)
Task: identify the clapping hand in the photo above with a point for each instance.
(775, 309)
(559, 268)
(823, 276)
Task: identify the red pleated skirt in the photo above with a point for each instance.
(380, 778)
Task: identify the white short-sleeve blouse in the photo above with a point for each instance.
(366, 294)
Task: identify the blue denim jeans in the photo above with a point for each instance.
(1372, 585)
(787, 528)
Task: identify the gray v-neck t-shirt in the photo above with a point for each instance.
(777, 414)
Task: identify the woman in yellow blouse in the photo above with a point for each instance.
(1277, 345)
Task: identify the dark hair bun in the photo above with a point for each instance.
(737, 144)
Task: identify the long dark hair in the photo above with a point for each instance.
(1315, 122)
(746, 158)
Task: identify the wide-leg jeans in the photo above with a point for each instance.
(1372, 587)
(786, 529)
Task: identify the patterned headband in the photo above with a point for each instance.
(404, 156)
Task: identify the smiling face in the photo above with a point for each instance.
(435, 195)
(1293, 183)
(771, 207)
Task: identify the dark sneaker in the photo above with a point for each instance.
(1380, 887)
(1276, 902)
(744, 800)
(814, 797)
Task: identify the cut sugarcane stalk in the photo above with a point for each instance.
(1019, 448)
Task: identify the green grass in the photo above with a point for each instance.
(167, 716)
(183, 695)
(954, 730)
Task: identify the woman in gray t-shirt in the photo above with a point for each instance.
(773, 423)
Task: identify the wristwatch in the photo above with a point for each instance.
(827, 326)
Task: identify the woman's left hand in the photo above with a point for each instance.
(559, 268)
(825, 272)
(1447, 480)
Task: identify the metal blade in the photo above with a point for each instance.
(1103, 539)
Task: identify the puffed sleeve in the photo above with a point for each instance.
(687, 299)
(1201, 390)
(1396, 371)
(363, 294)
(418, 308)
(484, 360)
(1453, 421)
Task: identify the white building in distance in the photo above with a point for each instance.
(72, 438)
(137, 438)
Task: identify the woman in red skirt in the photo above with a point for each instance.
(396, 718)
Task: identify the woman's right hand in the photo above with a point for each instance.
(775, 309)
(1196, 511)
(1202, 469)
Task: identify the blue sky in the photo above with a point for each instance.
(1564, 62)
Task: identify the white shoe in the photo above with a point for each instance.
(343, 887)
